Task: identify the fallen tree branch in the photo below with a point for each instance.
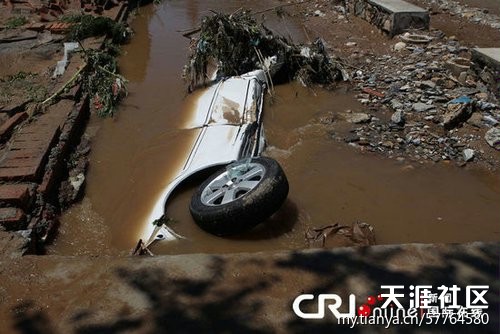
(226, 39)
(190, 32)
(66, 85)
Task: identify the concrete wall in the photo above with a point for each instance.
(392, 17)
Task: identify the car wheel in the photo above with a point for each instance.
(240, 196)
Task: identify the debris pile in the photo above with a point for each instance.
(102, 82)
(237, 44)
(336, 235)
(424, 103)
(85, 26)
(455, 8)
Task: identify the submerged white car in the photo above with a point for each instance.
(249, 188)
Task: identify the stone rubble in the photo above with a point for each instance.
(428, 103)
(492, 137)
(474, 15)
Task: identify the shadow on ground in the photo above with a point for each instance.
(253, 293)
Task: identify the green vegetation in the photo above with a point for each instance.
(16, 21)
(238, 44)
(101, 81)
(21, 75)
(99, 77)
(85, 26)
(21, 83)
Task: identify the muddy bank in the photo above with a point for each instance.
(45, 100)
(243, 292)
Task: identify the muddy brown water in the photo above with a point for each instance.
(136, 154)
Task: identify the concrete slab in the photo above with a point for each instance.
(234, 293)
(486, 63)
(488, 56)
(397, 6)
(391, 16)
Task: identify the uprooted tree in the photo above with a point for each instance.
(237, 44)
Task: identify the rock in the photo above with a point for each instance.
(357, 118)
(395, 104)
(486, 105)
(319, 13)
(462, 77)
(352, 138)
(492, 137)
(468, 154)
(490, 120)
(389, 144)
(398, 118)
(351, 44)
(399, 46)
(421, 107)
(428, 84)
(449, 84)
(476, 120)
(77, 181)
(482, 96)
(457, 114)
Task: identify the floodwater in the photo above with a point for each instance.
(135, 155)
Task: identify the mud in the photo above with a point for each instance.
(468, 32)
(136, 154)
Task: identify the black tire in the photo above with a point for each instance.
(246, 210)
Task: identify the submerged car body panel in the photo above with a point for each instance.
(228, 117)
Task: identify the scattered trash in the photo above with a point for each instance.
(416, 39)
(141, 249)
(358, 234)
(372, 92)
(62, 64)
(461, 99)
(458, 65)
(99, 78)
